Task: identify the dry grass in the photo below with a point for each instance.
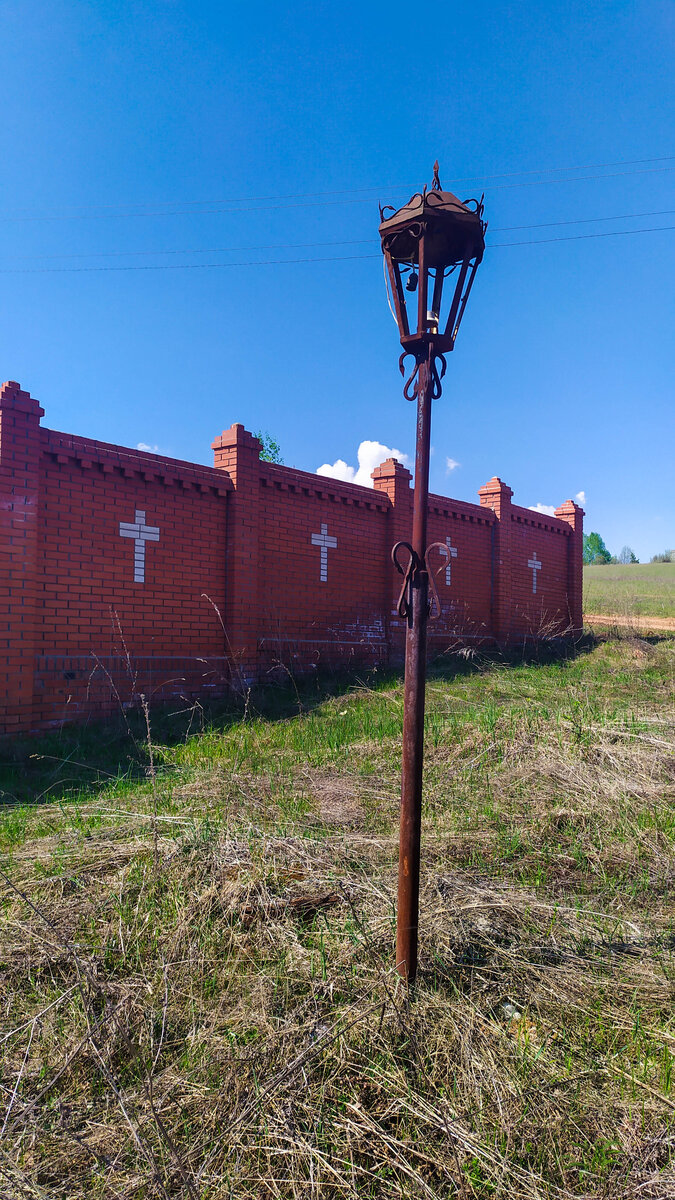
(197, 991)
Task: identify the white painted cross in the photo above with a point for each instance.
(536, 566)
(141, 533)
(452, 553)
(326, 543)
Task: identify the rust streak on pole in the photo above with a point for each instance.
(413, 714)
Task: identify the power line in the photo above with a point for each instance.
(202, 250)
(321, 259)
(253, 203)
(581, 178)
(631, 162)
(663, 212)
(577, 237)
(311, 245)
(255, 262)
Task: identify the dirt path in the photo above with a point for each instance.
(637, 622)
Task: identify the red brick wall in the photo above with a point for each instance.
(101, 630)
(255, 566)
(521, 607)
(19, 537)
(280, 609)
(332, 611)
(538, 607)
(466, 599)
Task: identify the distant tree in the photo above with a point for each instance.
(271, 450)
(627, 556)
(664, 556)
(595, 550)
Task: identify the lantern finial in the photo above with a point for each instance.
(436, 185)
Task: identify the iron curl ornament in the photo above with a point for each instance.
(411, 578)
(412, 384)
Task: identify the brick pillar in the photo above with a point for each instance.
(497, 495)
(19, 488)
(392, 478)
(574, 515)
(238, 452)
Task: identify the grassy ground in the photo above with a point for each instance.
(638, 590)
(196, 945)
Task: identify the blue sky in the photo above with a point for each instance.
(182, 135)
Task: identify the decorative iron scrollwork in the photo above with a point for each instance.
(411, 389)
(404, 604)
(479, 209)
(411, 573)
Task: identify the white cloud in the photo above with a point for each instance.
(580, 498)
(451, 464)
(548, 510)
(339, 470)
(147, 448)
(369, 455)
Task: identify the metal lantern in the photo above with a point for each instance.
(432, 249)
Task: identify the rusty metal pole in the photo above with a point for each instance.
(433, 238)
(413, 714)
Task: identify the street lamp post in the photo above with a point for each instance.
(434, 238)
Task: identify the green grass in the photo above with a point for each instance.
(196, 958)
(637, 590)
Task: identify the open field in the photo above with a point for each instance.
(641, 589)
(196, 945)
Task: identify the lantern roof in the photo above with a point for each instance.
(454, 231)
